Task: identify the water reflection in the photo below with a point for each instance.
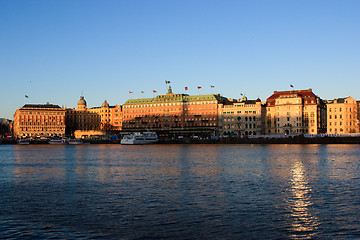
(304, 223)
(183, 191)
(30, 164)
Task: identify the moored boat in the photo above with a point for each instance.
(140, 138)
(23, 142)
(76, 141)
(57, 141)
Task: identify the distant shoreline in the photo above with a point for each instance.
(234, 140)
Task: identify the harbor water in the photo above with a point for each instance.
(180, 191)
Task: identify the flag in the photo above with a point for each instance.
(167, 82)
(186, 88)
(142, 91)
(291, 86)
(131, 92)
(26, 96)
(212, 86)
(199, 87)
(154, 91)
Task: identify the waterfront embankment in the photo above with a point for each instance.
(300, 139)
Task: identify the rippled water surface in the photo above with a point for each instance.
(180, 192)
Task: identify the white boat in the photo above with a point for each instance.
(76, 141)
(23, 142)
(140, 138)
(57, 141)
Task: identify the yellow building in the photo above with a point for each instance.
(295, 112)
(34, 120)
(89, 120)
(243, 117)
(342, 116)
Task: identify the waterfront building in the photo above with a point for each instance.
(295, 112)
(358, 115)
(242, 117)
(342, 116)
(33, 120)
(5, 128)
(88, 121)
(173, 115)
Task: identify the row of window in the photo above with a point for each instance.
(169, 104)
(297, 131)
(340, 109)
(340, 116)
(166, 110)
(42, 113)
(46, 123)
(133, 125)
(232, 119)
(168, 115)
(246, 112)
(340, 123)
(228, 126)
(57, 129)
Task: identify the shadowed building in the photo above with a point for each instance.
(90, 121)
(243, 117)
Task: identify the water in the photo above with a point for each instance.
(180, 192)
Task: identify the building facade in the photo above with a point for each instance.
(173, 115)
(243, 117)
(295, 112)
(342, 116)
(88, 120)
(39, 120)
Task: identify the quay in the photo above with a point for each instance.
(263, 139)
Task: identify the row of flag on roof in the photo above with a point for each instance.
(186, 88)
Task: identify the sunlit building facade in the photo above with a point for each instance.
(342, 116)
(36, 120)
(173, 114)
(105, 118)
(243, 117)
(295, 112)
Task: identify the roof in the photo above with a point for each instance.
(341, 100)
(305, 94)
(82, 101)
(165, 98)
(42, 106)
(302, 93)
(105, 104)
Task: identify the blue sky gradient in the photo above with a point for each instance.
(53, 51)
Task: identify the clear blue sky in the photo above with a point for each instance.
(53, 51)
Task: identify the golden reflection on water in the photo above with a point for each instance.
(30, 164)
(304, 223)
